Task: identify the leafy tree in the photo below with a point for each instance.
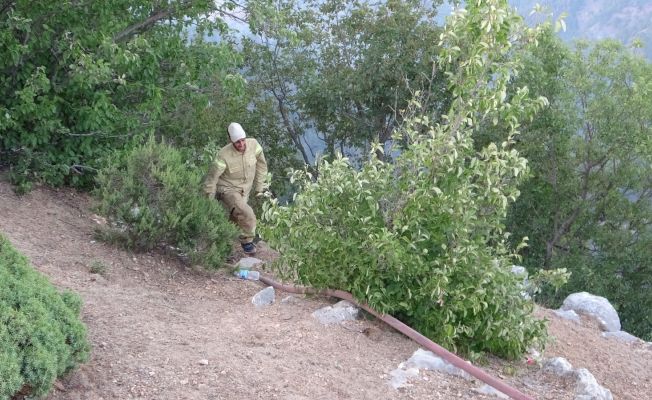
(371, 58)
(275, 66)
(588, 205)
(82, 78)
(423, 237)
(41, 334)
(336, 74)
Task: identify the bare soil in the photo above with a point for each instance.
(160, 329)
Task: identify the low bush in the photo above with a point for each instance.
(41, 335)
(151, 196)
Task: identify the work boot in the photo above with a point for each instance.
(249, 248)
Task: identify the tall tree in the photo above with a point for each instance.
(588, 205)
(343, 71)
(372, 58)
(275, 65)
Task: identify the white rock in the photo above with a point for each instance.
(265, 297)
(203, 362)
(622, 336)
(339, 312)
(567, 314)
(428, 360)
(596, 306)
(558, 365)
(588, 388)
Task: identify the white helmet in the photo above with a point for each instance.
(236, 132)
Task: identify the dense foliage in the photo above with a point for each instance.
(151, 196)
(41, 335)
(81, 78)
(588, 205)
(423, 237)
(337, 73)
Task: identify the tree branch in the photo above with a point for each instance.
(154, 17)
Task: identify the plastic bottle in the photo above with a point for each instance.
(246, 274)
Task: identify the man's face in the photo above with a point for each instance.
(240, 145)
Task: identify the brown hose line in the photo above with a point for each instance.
(409, 332)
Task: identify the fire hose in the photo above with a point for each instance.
(409, 332)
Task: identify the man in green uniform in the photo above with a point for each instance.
(238, 167)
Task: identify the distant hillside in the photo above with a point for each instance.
(599, 19)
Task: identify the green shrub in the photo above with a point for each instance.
(423, 237)
(434, 255)
(152, 197)
(98, 267)
(41, 335)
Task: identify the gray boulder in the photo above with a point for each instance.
(595, 306)
(588, 388)
(265, 297)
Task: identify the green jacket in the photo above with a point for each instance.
(232, 171)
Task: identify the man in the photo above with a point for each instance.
(238, 167)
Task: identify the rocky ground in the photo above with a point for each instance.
(160, 329)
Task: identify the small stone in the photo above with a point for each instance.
(339, 312)
(264, 298)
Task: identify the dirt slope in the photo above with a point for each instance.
(162, 330)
